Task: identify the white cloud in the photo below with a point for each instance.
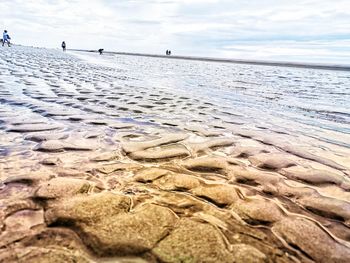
(307, 30)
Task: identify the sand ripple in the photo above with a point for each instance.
(99, 165)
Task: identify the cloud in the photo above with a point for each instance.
(305, 30)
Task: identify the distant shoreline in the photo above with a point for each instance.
(233, 61)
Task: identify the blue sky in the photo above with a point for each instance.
(299, 30)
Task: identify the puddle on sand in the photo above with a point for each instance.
(129, 159)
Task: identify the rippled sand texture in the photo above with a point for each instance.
(126, 159)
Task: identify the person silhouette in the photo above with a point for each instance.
(63, 46)
(5, 38)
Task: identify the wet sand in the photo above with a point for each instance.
(343, 67)
(118, 159)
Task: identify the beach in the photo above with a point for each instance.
(308, 65)
(119, 158)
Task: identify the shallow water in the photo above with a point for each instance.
(279, 138)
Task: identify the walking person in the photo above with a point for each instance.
(63, 46)
(5, 38)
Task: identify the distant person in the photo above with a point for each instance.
(167, 52)
(63, 46)
(5, 38)
(100, 51)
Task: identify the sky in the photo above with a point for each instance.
(277, 30)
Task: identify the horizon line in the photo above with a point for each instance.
(310, 65)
